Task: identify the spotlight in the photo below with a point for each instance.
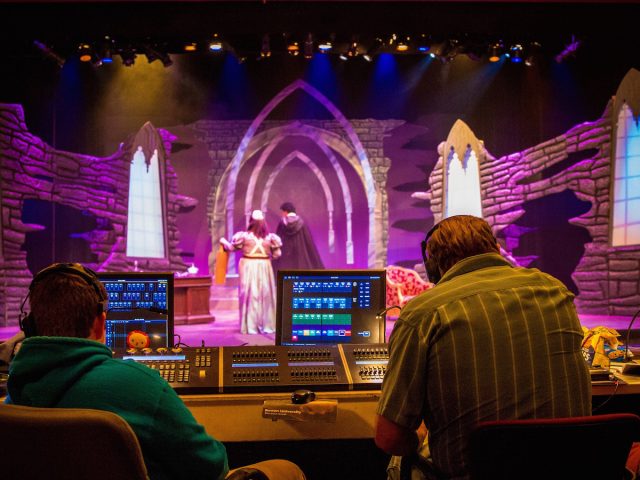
(308, 46)
(495, 51)
(423, 44)
(265, 49)
(105, 50)
(128, 56)
(85, 53)
(326, 46)
(532, 55)
(215, 45)
(293, 48)
(402, 45)
(378, 43)
(352, 51)
(190, 47)
(154, 53)
(515, 53)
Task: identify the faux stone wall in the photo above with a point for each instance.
(31, 169)
(608, 278)
(223, 139)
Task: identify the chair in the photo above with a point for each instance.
(403, 284)
(63, 443)
(594, 447)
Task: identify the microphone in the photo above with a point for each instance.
(627, 358)
(383, 312)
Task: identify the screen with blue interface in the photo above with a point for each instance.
(140, 309)
(320, 307)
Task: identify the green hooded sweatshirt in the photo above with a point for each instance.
(78, 373)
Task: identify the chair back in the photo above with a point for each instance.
(594, 447)
(63, 443)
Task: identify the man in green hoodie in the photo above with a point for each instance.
(64, 363)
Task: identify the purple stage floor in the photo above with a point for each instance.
(224, 331)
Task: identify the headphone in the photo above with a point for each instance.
(430, 265)
(27, 321)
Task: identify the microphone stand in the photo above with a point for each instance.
(627, 358)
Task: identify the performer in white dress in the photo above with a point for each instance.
(257, 289)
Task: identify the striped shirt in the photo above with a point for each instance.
(489, 342)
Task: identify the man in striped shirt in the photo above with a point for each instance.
(490, 341)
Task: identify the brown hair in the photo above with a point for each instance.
(458, 237)
(258, 227)
(65, 305)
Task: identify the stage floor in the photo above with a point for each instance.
(225, 330)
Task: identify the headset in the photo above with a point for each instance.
(27, 321)
(430, 265)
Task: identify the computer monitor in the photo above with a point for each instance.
(140, 309)
(325, 307)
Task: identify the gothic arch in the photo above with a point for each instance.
(222, 214)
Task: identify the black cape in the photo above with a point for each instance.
(298, 249)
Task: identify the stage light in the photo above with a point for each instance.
(293, 48)
(515, 53)
(128, 56)
(308, 46)
(85, 53)
(423, 44)
(215, 45)
(495, 51)
(352, 51)
(326, 46)
(402, 45)
(154, 53)
(376, 46)
(190, 47)
(532, 54)
(265, 48)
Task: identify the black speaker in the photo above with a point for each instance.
(27, 321)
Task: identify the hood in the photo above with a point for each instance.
(292, 224)
(45, 368)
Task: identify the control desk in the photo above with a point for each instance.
(267, 368)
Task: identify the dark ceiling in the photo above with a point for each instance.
(62, 25)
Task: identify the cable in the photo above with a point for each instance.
(382, 312)
(626, 347)
(617, 384)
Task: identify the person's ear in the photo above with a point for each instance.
(98, 331)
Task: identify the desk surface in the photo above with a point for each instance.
(239, 417)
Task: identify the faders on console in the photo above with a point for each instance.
(262, 368)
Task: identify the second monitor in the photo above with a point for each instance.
(320, 307)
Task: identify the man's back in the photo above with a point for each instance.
(488, 342)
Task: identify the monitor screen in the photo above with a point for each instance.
(320, 307)
(140, 309)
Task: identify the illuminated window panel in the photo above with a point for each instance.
(145, 225)
(626, 182)
(463, 186)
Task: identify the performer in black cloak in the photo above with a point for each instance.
(298, 249)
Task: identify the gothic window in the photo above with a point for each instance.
(463, 185)
(626, 183)
(145, 224)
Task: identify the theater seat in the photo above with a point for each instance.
(64, 443)
(594, 447)
(403, 284)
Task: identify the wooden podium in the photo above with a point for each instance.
(191, 300)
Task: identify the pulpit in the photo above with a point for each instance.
(191, 300)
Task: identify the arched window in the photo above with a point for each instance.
(463, 185)
(145, 225)
(625, 223)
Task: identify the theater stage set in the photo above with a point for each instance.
(376, 119)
